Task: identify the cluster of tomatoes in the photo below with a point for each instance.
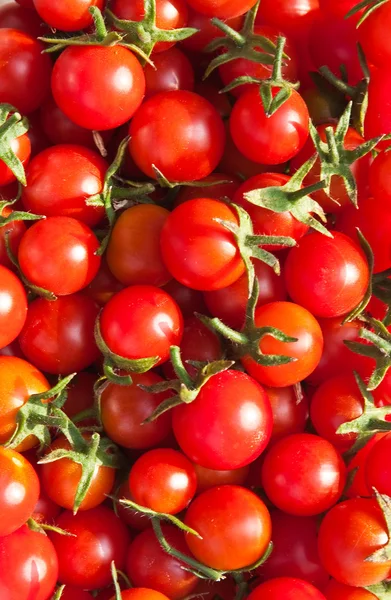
(195, 300)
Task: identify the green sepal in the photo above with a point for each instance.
(382, 590)
(383, 554)
(359, 309)
(381, 288)
(12, 126)
(369, 5)
(58, 593)
(165, 183)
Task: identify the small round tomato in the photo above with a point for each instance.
(269, 140)
(288, 588)
(222, 9)
(379, 178)
(338, 591)
(104, 285)
(13, 306)
(133, 253)
(234, 525)
(348, 535)
(216, 191)
(169, 124)
(328, 276)
(19, 490)
(13, 16)
(294, 321)
(303, 474)
(14, 231)
(71, 15)
(21, 147)
(197, 249)
(59, 254)
(377, 117)
(290, 410)
(82, 175)
(357, 470)
(98, 87)
(207, 31)
(210, 478)
(377, 467)
(172, 71)
(141, 321)
(188, 300)
(372, 35)
(141, 594)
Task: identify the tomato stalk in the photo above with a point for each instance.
(44, 527)
(16, 215)
(165, 183)
(114, 575)
(12, 126)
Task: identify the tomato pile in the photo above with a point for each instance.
(195, 300)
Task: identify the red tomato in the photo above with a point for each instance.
(207, 31)
(13, 16)
(228, 425)
(294, 321)
(141, 594)
(98, 87)
(70, 15)
(167, 126)
(217, 191)
(173, 71)
(380, 180)
(210, 478)
(73, 593)
(338, 591)
(15, 231)
(134, 519)
(80, 394)
(45, 510)
(13, 306)
(234, 524)
(104, 285)
(290, 410)
(222, 9)
(303, 474)
(377, 118)
(372, 35)
(357, 465)
(377, 468)
(188, 300)
(21, 147)
(293, 16)
(287, 588)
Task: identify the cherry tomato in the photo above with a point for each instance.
(45, 510)
(222, 9)
(379, 179)
(141, 594)
(234, 161)
(167, 126)
(13, 306)
(13, 16)
(217, 191)
(357, 470)
(373, 37)
(173, 71)
(135, 520)
(293, 16)
(210, 478)
(234, 524)
(288, 588)
(377, 469)
(188, 300)
(70, 15)
(338, 591)
(377, 118)
(303, 474)
(207, 31)
(104, 285)
(290, 410)
(73, 593)
(14, 231)
(98, 87)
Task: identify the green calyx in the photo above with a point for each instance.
(383, 554)
(359, 309)
(165, 183)
(15, 215)
(12, 126)
(293, 198)
(382, 590)
(335, 159)
(369, 5)
(381, 288)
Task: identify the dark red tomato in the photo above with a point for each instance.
(229, 303)
(124, 408)
(209, 478)
(210, 89)
(377, 118)
(19, 490)
(133, 254)
(141, 321)
(372, 35)
(82, 175)
(99, 538)
(216, 191)
(295, 550)
(163, 480)
(26, 3)
(338, 591)
(70, 15)
(24, 70)
(288, 588)
(339, 8)
(188, 300)
(80, 394)
(21, 147)
(13, 306)
(207, 32)
(74, 593)
(328, 276)
(225, 589)
(294, 321)
(37, 136)
(147, 564)
(228, 425)
(45, 510)
(14, 232)
(380, 179)
(197, 249)
(290, 410)
(104, 285)
(59, 254)
(267, 222)
(98, 87)
(222, 9)
(303, 475)
(172, 71)
(134, 519)
(141, 594)
(348, 535)
(233, 161)
(13, 16)
(293, 16)
(58, 337)
(12, 349)
(234, 525)
(269, 140)
(170, 14)
(180, 133)
(359, 486)
(377, 467)
(28, 565)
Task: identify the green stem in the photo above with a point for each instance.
(277, 65)
(232, 34)
(99, 22)
(329, 131)
(179, 367)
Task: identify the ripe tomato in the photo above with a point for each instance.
(19, 490)
(269, 140)
(348, 535)
(14, 231)
(133, 254)
(98, 87)
(141, 594)
(210, 478)
(217, 191)
(228, 425)
(85, 557)
(377, 469)
(295, 321)
(28, 565)
(357, 470)
(377, 118)
(173, 71)
(338, 591)
(82, 175)
(70, 15)
(104, 285)
(207, 31)
(379, 179)
(222, 9)
(134, 519)
(234, 524)
(166, 126)
(13, 16)
(21, 147)
(141, 321)
(198, 250)
(73, 593)
(59, 254)
(288, 588)
(290, 410)
(188, 300)
(372, 35)
(303, 474)
(13, 306)
(58, 337)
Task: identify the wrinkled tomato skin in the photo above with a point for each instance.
(173, 71)
(338, 591)
(14, 232)
(13, 306)
(70, 15)
(290, 411)
(288, 588)
(377, 467)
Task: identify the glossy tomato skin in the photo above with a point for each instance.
(13, 306)
(148, 564)
(349, 533)
(377, 468)
(328, 276)
(28, 565)
(380, 180)
(288, 588)
(303, 475)
(82, 175)
(234, 524)
(141, 594)
(269, 140)
(24, 72)
(294, 321)
(377, 118)
(222, 9)
(14, 232)
(197, 250)
(21, 147)
(228, 425)
(173, 71)
(19, 490)
(373, 37)
(290, 410)
(85, 558)
(130, 327)
(180, 133)
(338, 591)
(58, 336)
(70, 15)
(98, 87)
(59, 254)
